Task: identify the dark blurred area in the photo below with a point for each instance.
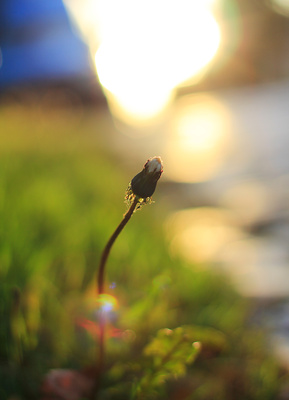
(42, 56)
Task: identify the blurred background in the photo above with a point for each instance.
(204, 84)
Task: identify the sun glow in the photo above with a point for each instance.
(149, 48)
(200, 138)
(200, 234)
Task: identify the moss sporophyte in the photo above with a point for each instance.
(144, 183)
(139, 192)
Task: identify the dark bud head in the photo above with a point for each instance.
(144, 183)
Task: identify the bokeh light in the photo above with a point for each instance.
(107, 303)
(250, 200)
(104, 305)
(149, 48)
(198, 235)
(199, 140)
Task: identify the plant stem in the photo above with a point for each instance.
(106, 250)
(100, 288)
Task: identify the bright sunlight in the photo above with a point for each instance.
(200, 138)
(149, 48)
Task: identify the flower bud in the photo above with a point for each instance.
(144, 183)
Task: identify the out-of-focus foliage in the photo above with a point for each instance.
(170, 352)
(177, 332)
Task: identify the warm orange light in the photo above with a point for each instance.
(199, 140)
(149, 48)
(145, 49)
(200, 234)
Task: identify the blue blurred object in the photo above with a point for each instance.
(38, 44)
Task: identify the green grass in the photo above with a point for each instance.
(61, 196)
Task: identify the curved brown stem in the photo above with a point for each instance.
(106, 250)
(100, 288)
